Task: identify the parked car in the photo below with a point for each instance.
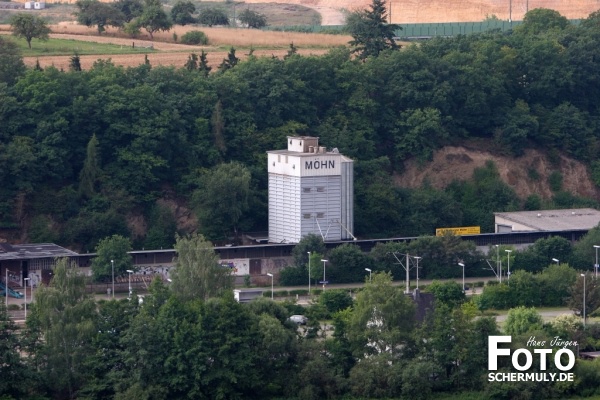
(299, 319)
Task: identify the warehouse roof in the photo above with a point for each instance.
(554, 220)
(30, 251)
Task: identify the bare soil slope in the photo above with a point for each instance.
(527, 174)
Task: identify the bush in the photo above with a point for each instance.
(194, 37)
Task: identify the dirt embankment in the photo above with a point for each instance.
(527, 174)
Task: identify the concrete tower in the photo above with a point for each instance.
(310, 191)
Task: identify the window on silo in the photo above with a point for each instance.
(306, 190)
(321, 189)
(306, 216)
(320, 215)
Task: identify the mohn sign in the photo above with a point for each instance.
(319, 164)
(522, 360)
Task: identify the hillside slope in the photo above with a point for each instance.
(528, 174)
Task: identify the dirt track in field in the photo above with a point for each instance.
(167, 53)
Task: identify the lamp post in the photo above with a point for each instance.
(369, 271)
(418, 258)
(556, 261)
(271, 275)
(6, 288)
(112, 262)
(508, 264)
(463, 268)
(324, 261)
(25, 301)
(308, 273)
(498, 265)
(583, 300)
(129, 272)
(596, 265)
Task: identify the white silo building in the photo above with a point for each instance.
(310, 191)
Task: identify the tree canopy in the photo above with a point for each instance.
(29, 27)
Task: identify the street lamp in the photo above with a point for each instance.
(508, 273)
(556, 261)
(25, 301)
(596, 265)
(369, 271)
(308, 273)
(129, 272)
(6, 288)
(498, 265)
(112, 262)
(271, 275)
(418, 258)
(463, 267)
(324, 261)
(583, 299)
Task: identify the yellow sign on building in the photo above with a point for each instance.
(465, 230)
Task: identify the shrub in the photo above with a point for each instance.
(194, 37)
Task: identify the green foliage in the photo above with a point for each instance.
(309, 243)
(182, 11)
(222, 198)
(64, 315)
(555, 180)
(347, 263)
(335, 300)
(252, 19)
(112, 253)
(99, 14)
(293, 276)
(154, 18)
(541, 20)
(213, 16)
(29, 27)
(194, 37)
(197, 273)
(370, 31)
(162, 228)
(11, 65)
(521, 320)
(90, 173)
(129, 8)
(447, 293)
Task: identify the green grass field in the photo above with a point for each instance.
(67, 47)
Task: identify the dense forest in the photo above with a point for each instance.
(84, 154)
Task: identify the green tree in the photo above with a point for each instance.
(253, 19)
(101, 15)
(15, 383)
(310, 243)
(90, 173)
(182, 11)
(347, 263)
(383, 319)
(197, 273)
(541, 20)
(448, 293)
(521, 320)
(11, 62)
(162, 228)
(213, 16)
(154, 18)
(222, 199)
(335, 300)
(112, 252)
(229, 62)
(592, 295)
(29, 26)
(129, 8)
(65, 315)
(370, 31)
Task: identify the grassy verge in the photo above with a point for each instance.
(68, 47)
